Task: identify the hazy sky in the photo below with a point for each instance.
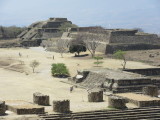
(108, 13)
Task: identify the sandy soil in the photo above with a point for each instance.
(21, 86)
(151, 57)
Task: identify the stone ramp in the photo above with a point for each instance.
(93, 80)
(128, 114)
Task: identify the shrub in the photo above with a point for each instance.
(97, 58)
(121, 55)
(34, 64)
(59, 70)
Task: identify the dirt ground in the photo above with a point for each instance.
(151, 57)
(19, 83)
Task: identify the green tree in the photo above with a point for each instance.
(98, 58)
(34, 64)
(59, 70)
(65, 26)
(121, 55)
(77, 49)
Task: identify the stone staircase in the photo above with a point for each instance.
(93, 80)
(151, 113)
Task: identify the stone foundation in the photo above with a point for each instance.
(40, 99)
(151, 91)
(95, 96)
(61, 106)
(22, 107)
(140, 100)
(2, 107)
(116, 102)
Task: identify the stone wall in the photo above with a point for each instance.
(31, 43)
(101, 47)
(111, 48)
(145, 71)
(151, 91)
(147, 39)
(129, 85)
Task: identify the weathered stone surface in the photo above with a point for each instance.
(116, 102)
(95, 96)
(151, 91)
(61, 106)
(2, 107)
(22, 107)
(140, 100)
(42, 30)
(40, 99)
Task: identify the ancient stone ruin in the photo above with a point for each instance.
(61, 106)
(40, 99)
(116, 39)
(140, 100)
(123, 39)
(2, 107)
(21, 107)
(151, 91)
(95, 96)
(115, 81)
(117, 102)
(42, 30)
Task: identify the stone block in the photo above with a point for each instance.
(40, 99)
(2, 107)
(117, 102)
(61, 106)
(95, 96)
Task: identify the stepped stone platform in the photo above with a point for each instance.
(116, 81)
(140, 100)
(22, 107)
(151, 113)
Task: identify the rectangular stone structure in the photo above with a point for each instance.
(21, 107)
(40, 99)
(140, 100)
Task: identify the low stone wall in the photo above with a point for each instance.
(111, 48)
(40, 99)
(95, 96)
(151, 91)
(31, 43)
(61, 106)
(130, 85)
(116, 102)
(2, 107)
(145, 71)
(147, 39)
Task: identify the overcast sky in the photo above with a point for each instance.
(143, 14)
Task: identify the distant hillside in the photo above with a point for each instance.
(10, 32)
